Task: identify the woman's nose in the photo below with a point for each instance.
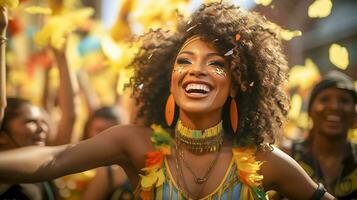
(42, 127)
(197, 69)
(334, 104)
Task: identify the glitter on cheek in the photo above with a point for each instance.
(178, 69)
(218, 71)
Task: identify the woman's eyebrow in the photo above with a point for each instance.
(186, 52)
(208, 55)
(214, 54)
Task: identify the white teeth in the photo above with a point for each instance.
(333, 118)
(195, 86)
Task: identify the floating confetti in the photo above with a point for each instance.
(238, 37)
(339, 56)
(150, 56)
(263, 2)
(9, 3)
(308, 72)
(288, 35)
(251, 84)
(295, 106)
(320, 9)
(230, 52)
(283, 33)
(58, 27)
(38, 10)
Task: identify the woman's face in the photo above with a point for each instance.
(333, 111)
(200, 81)
(29, 128)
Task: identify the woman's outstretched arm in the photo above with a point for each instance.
(113, 146)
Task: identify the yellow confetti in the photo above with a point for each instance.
(308, 72)
(288, 35)
(162, 14)
(339, 56)
(9, 3)
(320, 9)
(295, 106)
(356, 85)
(57, 28)
(283, 33)
(263, 2)
(38, 10)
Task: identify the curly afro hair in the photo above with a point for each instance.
(257, 64)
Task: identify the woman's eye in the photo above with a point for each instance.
(217, 63)
(324, 99)
(183, 61)
(345, 100)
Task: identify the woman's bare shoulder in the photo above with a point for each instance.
(131, 141)
(278, 167)
(273, 154)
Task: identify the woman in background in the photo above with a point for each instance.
(327, 155)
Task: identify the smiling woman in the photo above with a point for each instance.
(221, 76)
(327, 155)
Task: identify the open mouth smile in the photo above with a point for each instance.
(197, 90)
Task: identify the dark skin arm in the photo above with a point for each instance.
(90, 97)
(3, 26)
(283, 174)
(122, 145)
(68, 99)
(48, 95)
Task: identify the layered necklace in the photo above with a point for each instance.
(200, 141)
(197, 142)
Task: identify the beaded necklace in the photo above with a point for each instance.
(200, 141)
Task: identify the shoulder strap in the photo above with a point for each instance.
(110, 177)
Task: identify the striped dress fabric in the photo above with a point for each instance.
(229, 188)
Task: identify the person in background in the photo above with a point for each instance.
(109, 182)
(24, 124)
(327, 155)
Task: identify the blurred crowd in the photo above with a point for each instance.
(64, 81)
